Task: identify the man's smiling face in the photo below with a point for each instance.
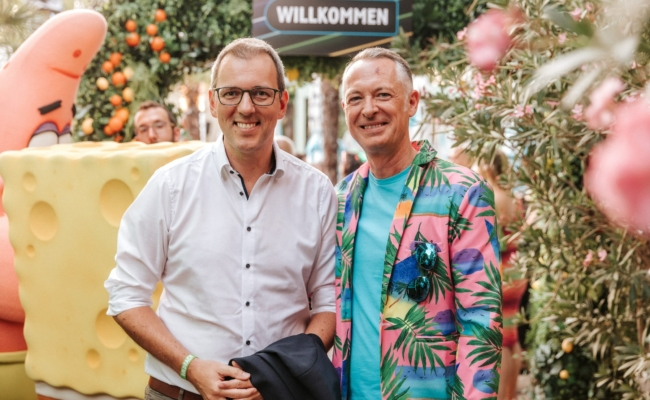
(248, 128)
(377, 105)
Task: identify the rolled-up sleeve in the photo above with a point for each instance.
(321, 282)
(142, 245)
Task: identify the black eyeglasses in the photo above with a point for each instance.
(260, 96)
(426, 256)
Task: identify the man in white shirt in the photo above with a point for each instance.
(239, 233)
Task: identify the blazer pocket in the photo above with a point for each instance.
(443, 347)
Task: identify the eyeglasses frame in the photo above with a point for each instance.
(244, 91)
(136, 129)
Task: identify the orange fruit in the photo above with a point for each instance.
(115, 58)
(118, 79)
(118, 138)
(127, 94)
(160, 15)
(152, 29)
(130, 25)
(87, 126)
(107, 66)
(133, 39)
(116, 100)
(108, 131)
(292, 74)
(122, 114)
(157, 43)
(564, 374)
(115, 124)
(128, 72)
(567, 345)
(102, 83)
(165, 57)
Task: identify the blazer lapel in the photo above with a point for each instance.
(403, 211)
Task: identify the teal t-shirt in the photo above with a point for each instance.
(379, 202)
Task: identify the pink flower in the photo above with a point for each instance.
(588, 259)
(602, 254)
(618, 177)
(487, 39)
(520, 111)
(480, 86)
(589, 7)
(553, 104)
(576, 14)
(561, 38)
(600, 113)
(576, 112)
(461, 34)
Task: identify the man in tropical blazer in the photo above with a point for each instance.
(435, 311)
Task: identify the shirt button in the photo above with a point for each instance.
(248, 303)
(248, 343)
(248, 265)
(241, 193)
(232, 172)
(248, 229)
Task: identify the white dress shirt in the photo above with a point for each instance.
(237, 272)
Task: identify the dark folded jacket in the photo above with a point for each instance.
(296, 367)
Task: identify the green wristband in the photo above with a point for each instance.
(186, 364)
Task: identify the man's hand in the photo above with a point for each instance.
(209, 379)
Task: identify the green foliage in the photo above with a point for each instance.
(442, 19)
(18, 19)
(602, 304)
(328, 67)
(549, 360)
(194, 33)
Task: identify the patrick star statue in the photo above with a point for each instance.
(39, 85)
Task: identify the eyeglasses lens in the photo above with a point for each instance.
(233, 96)
(418, 289)
(426, 255)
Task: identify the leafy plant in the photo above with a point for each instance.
(590, 277)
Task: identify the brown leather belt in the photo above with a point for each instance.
(171, 391)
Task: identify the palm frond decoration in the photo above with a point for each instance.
(491, 298)
(347, 249)
(338, 345)
(457, 390)
(459, 278)
(358, 188)
(488, 346)
(341, 186)
(457, 223)
(391, 383)
(493, 383)
(436, 174)
(414, 177)
(416, 339)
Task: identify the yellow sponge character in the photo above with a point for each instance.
(64, 206)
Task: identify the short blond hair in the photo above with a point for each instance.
(245, 49)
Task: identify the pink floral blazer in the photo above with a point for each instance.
(447, 345)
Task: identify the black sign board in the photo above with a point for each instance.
(331, 28)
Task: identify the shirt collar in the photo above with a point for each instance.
(224, 167)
